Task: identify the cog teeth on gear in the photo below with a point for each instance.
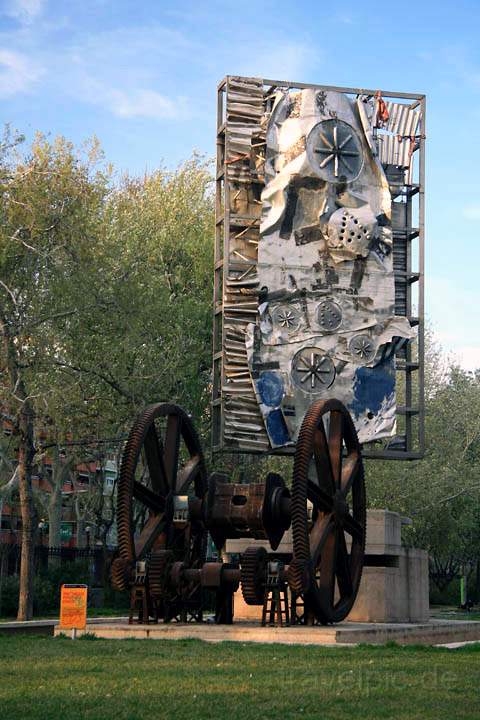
(158, 569)
(121, 574)
(252, 575)
(301, 579)
(296, 576)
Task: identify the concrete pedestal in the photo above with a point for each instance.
(398, 591)
(394, 589)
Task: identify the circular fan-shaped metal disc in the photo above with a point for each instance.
(334, 151)
(362, 348)
(312, 370)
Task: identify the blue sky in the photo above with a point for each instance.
(142, 76)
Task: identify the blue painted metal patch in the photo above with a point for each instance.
(270, 388)
(276, 428)
(371, 387)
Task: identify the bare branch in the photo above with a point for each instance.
(10, 293)
(16, 236)
(53, 316)
(442, 501)
(109, 381)
(10, 486)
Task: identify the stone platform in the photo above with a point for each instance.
(46, 627)
(394, 585)
(434, 632)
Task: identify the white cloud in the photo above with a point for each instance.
(26, 11)
(344, 19)
(472, 212)
(129, 102)
(143, 103)
(120, 70)
(278, 60)
(452, 313)
(17, 73)
(468, 356)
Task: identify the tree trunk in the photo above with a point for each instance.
(54, 525)
(55, 517)
(81, 534)
(26, 453)
(477, 582)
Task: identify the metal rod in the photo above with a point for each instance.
(421, 285)
(351, 91)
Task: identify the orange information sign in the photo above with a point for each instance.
(73, 607)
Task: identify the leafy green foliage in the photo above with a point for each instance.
(47, 585)
(147, 335)
(440, 493)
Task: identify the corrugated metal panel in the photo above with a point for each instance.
(243, 424)
(402, 119)
(392, 151)
(400, 256)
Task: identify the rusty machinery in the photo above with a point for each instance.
(164, 482)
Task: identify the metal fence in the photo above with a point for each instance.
(97, 559)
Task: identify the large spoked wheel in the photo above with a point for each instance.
(162, 466)
(328, 513)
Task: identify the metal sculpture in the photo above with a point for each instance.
(163, 475)
(312, 302)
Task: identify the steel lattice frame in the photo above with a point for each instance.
(408, 247)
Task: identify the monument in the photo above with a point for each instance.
(318, 336)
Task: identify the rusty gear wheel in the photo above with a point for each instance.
(159, 568)
(253, 566)
(329, 544)
(296, 576)
(121, 572)
(162, 468)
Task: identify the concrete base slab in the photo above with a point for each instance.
(455, 645)
(348, 633)
(46, 627)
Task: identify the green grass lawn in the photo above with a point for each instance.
(50, 678)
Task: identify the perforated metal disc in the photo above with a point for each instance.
(329, 315)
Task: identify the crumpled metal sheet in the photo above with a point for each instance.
(243, 426)
(394, 150)
(326, 325)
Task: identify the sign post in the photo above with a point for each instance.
(73, 608)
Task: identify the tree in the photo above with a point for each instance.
(51, 201)
(147, 336)
(105, 306)
(55, 474)
(441, 493)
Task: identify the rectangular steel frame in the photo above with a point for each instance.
(408, 271)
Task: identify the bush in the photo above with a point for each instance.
(48, 583)
(116, 600)
(9, 596)
(46, 587)
(451, 594)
